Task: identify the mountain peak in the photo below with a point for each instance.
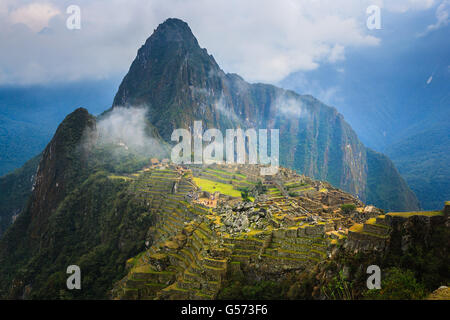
(170, 58)
(174, 27)
(172, 30)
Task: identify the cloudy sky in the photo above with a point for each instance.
(259, 39)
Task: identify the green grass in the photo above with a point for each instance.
(417, 213)
(227, 173)
(357, 227)
(296, 185)
(273, 191)
(373, 222)
(212, 186)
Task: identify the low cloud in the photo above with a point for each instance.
(290, 107)
(127, 130)
(219, 104)
(226, 111)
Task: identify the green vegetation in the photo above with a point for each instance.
(338, 288)
(292, 185)
(418, 213)
(385, 187)
(398, 284)
(113, 176)
(212, 186)
(99, 225)
(428, 260)
(115, 159)
(252, 290)
(348, 208)
(86, 218)
(244, 195)
(295, 188)
(260, 188)
(230, 174)
(274, 192)
(15, 189)
(422, 158)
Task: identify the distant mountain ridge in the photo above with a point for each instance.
(423, 160)
(179, 82)
(29, 115)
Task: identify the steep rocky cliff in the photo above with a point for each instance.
(410, 248)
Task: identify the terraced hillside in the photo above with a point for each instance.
(197, 244)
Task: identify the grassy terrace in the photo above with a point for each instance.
(358, 227)
(191, 267)
(373, 221)
(226, 173)
(294, 184)
(418, 213)
(296, 187)
(226, 177)
(112, 176)
(273, 191)
(164, 171)
(212, 186)
(300, 189)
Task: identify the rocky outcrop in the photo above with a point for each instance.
(396, 229)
